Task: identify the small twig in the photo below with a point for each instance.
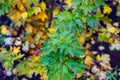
(61, 5)
(51, 13)
(17, 9)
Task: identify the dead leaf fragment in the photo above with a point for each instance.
(88, 60)
(28, 28)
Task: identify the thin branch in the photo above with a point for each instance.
(61, 5)
(51, 13)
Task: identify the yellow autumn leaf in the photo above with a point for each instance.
(82, 39)
(88, 60)
(79, 75)
(16, 18)
(113, 30)
(98, 57)
(111, 40)
(24, 15)
(56, 11)
(29, 38)
(28, 28)
(34, 58)
(106, 9)
(36, 10)
(41, 16)
(106, 20)
(3, 29)
(21, 6)
(43, 6)
(51, 29)
(34, 30)
(16, 50)
(68, 2)
(107, 35)
(88, 34)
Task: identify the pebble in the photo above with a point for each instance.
(8, 73)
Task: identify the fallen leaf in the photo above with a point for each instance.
(105, 58)
(106, 20)
(88, 60)
(82, 39)
(36, 10)
(28, 28)
(45, 36)
(41, 16)
(79, 75)
(51, 30)
(113, 30)
(16, 50)
(98, 57)
(106, 9)
(13, 32)
(24, 15)
(20, 6)
(31, 51)
(16, 18)
(30, 39)
(43, 6)
(3, 29)
(56, 11)
(88, 35)
(68, 2)
(34, 58)
(115, 46)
